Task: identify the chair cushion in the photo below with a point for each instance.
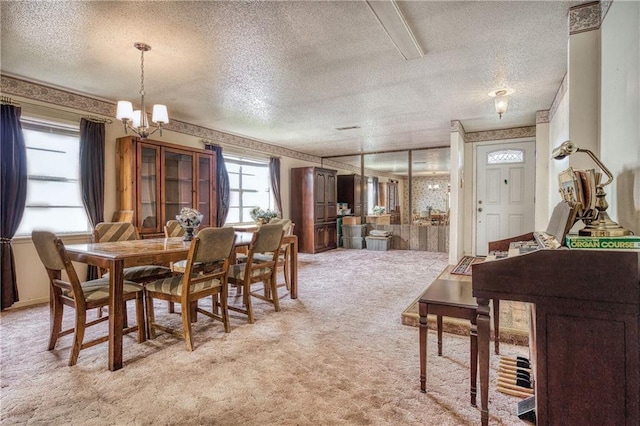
(237, 271)
(267, 257)
(140, 273)
(173, 285)
(99, 289)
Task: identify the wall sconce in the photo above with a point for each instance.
(600, 225)
(501, 101)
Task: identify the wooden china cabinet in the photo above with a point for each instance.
(157, 179)
(314, 208)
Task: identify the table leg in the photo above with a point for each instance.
(496, 324)
(474, 361)
(424, 330)
(439, 329)
(483, 355)
(294, 268)
(116, 312)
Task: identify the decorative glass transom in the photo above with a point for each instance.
(506, 156)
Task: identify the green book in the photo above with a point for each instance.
(631, 242)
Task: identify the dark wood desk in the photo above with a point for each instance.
(115, 256)
(586, 330)
(451, 298)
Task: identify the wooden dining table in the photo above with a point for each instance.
(115, 256)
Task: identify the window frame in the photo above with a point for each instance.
(58, 127)
(242, 160)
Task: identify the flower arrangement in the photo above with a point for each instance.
(262, 216)
(378, 210)
(189, 218)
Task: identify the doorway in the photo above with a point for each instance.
(505, 176)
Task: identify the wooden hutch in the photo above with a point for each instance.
(314, 208)
(157, 179)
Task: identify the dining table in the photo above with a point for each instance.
(117, 255)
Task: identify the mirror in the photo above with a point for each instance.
(429, 181)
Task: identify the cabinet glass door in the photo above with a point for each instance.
(149, 172)
(205, 189)
(179, 189)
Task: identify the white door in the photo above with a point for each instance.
(504, 192)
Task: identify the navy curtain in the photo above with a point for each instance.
(13, 195)
(92, 151)
(274, 173)
(222, 186)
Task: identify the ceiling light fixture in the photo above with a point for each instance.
(138, 120)
(501, 101)
(396, 27)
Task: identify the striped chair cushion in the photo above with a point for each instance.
(266, 257)
(237, 271)
(144, 272)
(173, 285)
(99, 289)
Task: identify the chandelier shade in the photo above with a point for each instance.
(501, 100)
(137, 120)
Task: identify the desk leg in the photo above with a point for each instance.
(424, 330)
(116, 312)
(483, 355)
(496, 324)
(294, 268)
(474, 361)
(439, 328)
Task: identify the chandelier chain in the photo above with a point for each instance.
(142, 73)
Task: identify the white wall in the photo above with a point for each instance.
(458, 184)
(620, 111)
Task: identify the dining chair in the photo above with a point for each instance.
(212, 250)
(266, 241)
(173, 229)
(125, 231)
(284, 255)
(81, 296)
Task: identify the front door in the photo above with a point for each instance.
(504, 193)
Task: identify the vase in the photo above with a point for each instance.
(188, 234)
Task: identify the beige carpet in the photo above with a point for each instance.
(337, 355)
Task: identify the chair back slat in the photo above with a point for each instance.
(55, 259)
(114, 231)
(173, 229)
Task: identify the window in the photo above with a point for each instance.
(53, 200)
(250, 186)
(506, 156)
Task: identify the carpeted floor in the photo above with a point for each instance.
(336, 355)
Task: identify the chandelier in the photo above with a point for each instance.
(138, 120)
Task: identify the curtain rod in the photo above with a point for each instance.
(7, 100)
(234, 149)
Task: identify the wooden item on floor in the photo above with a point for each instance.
(451, 298)
(115, 256)
(210, 251)
(157, 179)
(81, 296)
(268, 239)
(586, 315)
(314, 208)
(284, 255)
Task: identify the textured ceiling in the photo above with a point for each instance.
(290, 73)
